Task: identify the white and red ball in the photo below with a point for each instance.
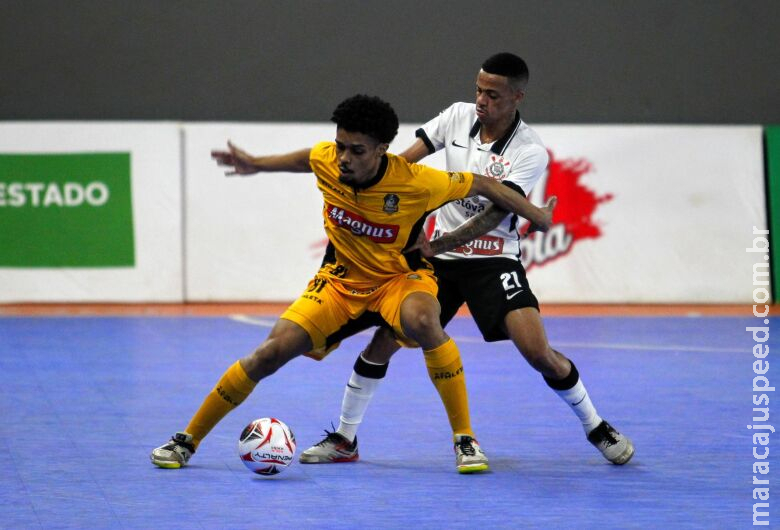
(266, 446)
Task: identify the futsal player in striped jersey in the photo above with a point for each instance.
(477, 249)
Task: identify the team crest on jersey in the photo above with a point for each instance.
(391, 203)
(497, 168)
(460, 178)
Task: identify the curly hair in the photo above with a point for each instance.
(367, 115)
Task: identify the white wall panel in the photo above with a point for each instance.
(156, 210)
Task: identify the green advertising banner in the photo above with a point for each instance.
(66, 210)
(772, 136)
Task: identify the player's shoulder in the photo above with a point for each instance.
(526, 140)
(322, 154)
(399, 167)
(416, 175)
(461, 109)
(321, 149)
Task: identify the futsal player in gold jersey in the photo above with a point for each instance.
(375, 204)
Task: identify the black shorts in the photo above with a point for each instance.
(491, 287)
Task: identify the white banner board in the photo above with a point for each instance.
(647, 214)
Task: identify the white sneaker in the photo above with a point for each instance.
(176, 453)
(616, 447)
(469, 457)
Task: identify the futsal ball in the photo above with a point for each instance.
(266, 446)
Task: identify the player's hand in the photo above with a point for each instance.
(422, 244)
(547, 222)
(238, 160)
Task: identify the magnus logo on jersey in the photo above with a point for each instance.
(573, 217)
(378, 233)
(481, 246)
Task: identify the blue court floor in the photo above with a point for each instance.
(84, 400)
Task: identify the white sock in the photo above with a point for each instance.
(578, 399)
(357, 396)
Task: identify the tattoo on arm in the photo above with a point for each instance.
(476, 226)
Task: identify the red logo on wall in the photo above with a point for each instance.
(573, 219)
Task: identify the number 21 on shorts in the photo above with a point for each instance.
(511, 284)
(510, 281)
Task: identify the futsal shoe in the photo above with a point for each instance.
(469, 457)
(616, 447)
(176, 453)
(333, 449)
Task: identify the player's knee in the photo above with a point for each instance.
(381, 347)
(419, 323)
(267, 358)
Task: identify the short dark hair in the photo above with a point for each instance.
(367, 115)
(508, 65)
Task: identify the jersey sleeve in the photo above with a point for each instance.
(434, 132)
(321, 154)
(528, 168)
(443, 186)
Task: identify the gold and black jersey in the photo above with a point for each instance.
(369, 227)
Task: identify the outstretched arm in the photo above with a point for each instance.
(508, 199)
(240, 162)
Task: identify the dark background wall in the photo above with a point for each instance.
(657, 61)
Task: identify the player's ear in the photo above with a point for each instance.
(381, 149)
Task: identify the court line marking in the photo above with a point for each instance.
(617, 346)
(244, 319)
(263, 323)
(641, 347)
(252, 321)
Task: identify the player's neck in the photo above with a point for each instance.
(493, 131)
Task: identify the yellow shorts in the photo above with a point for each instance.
(328, 307)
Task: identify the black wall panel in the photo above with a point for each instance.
(657, 61)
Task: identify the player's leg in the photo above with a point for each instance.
(302, 327)
(503, 306)
(419, 319)
(341, 445)
(286, 341)
(371, 364)
(418, 316)
(369, 370)
(526, 330)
